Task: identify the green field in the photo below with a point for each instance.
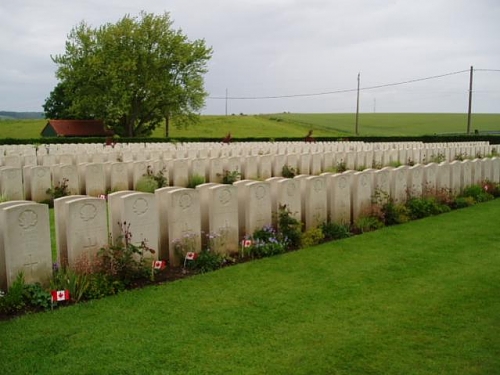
(386, 302)
(297, 125)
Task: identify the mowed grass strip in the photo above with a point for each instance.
(419, 298)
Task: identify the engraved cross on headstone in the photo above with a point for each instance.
(29, 264)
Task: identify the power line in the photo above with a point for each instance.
(487, 70)
(341, 91)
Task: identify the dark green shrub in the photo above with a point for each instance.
(288, 171)
(229, 177)
(123, 261)
(393, 214)
(463, 202)
(75, 280)
(341, 166)
(150, 181)
(367, 224)
(58, 191)
(335, 231)
(386, 211)
(289, 228)
(36, 297)
(206, 261)
(477, 192)
(266, 242)
(146, 184)
(426, 206)
(491, 188)
(195, 180)
(312, 237)
(159, 177)
(14, 300)
(100, 285)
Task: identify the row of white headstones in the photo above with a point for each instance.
(26, 173)
(227, 212)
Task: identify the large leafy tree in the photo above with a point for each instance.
(133, 74)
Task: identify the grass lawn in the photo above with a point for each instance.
(419, 298)
(298, 125)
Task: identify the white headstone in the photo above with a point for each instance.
(477, 171)
(415, 178)
(495, 169)
(139, 216)
(265, 166)
(487, 169)
(223, 219)
(60, 219)
(204, 202)
(40, 181)
(250, 168)
(316, 160)
(198, 169)
(455, 176)
(139, 170)
(69, 173)
(279, 161)
(429, 179)
(115, 218)
(164, 201)
(399, 184)
(95, 179)
(14, 161)
(86, 228)
(382, 181)
(215, 170)
(304, 165)
(361, 194)
(184, 223)
(26, 243)
(118, 176)
(180, 171)
(3, 274)
(315, 198)
(288, 195)
(11, 183)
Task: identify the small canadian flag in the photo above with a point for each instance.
(246, 243)
(191, 255)
(159, 264)
(60, 295)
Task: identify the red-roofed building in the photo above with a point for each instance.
(76, 128)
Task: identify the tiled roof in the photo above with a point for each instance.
(79, 128)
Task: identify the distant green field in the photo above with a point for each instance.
(298, 124)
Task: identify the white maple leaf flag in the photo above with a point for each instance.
(159, 264)
(60, 295)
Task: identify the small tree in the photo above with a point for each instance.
(132, 74)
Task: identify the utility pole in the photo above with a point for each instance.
(226, 101)
(357, 107)
(374, 105)
(469, 113)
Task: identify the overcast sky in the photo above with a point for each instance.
(285, 48)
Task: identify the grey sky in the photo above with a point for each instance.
(285, 47)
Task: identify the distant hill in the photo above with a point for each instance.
(21, 115)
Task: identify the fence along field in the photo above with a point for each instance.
(297, 125)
